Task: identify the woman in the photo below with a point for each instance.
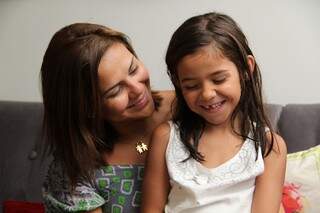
(99, 113)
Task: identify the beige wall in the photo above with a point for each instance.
(284, 35)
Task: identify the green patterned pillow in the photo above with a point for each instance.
(302, 182)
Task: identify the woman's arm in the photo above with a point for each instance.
(156, 179)
(269, 185)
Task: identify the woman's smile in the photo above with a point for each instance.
(140, 102)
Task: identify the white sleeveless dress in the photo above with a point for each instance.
(197, 189)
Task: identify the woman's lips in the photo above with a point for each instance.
(141, 102)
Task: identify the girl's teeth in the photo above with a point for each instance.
(213, 106)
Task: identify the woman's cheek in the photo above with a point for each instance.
(143, 74)
(119, 104)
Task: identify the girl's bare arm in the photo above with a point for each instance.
(156, 179)
(269, 185)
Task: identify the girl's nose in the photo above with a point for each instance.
(208, 92)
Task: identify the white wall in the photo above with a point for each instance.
(283, 34)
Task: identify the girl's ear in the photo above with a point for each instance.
(251, 63)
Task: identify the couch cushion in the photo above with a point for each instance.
(21, 170)
(274, 112)
(299, 125)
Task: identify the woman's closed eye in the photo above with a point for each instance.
(133, 70)
(114, 92)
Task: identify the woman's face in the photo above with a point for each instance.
(124, 85)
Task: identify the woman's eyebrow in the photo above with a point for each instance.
(131, 64)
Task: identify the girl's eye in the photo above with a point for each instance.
(191, 87)
(219, 80)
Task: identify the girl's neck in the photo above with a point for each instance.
(225, 127)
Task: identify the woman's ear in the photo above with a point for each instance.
(251, 63)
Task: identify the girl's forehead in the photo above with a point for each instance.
(204, 55)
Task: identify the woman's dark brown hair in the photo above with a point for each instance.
(74, 129)
(224, 35)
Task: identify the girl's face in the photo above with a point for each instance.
(210, 85)
(124, 86)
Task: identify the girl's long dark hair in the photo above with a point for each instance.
(74, 129)
(223, 33)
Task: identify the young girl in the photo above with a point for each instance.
(99, 113)
(219, 153)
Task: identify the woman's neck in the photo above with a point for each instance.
(134, 129)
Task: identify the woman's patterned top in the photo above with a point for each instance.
(116, 188)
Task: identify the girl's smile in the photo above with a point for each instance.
(214, 107)
(210, 84)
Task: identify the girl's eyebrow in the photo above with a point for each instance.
(112, 87)
(218, 72)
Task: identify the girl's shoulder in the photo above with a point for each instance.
(160, 137)
(162, 131)
(279, 146)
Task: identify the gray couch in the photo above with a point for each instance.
(22, 169)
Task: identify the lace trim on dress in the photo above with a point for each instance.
(240, 167)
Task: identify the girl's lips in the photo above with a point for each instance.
(213, 107)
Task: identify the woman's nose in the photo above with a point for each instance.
(134, 87)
